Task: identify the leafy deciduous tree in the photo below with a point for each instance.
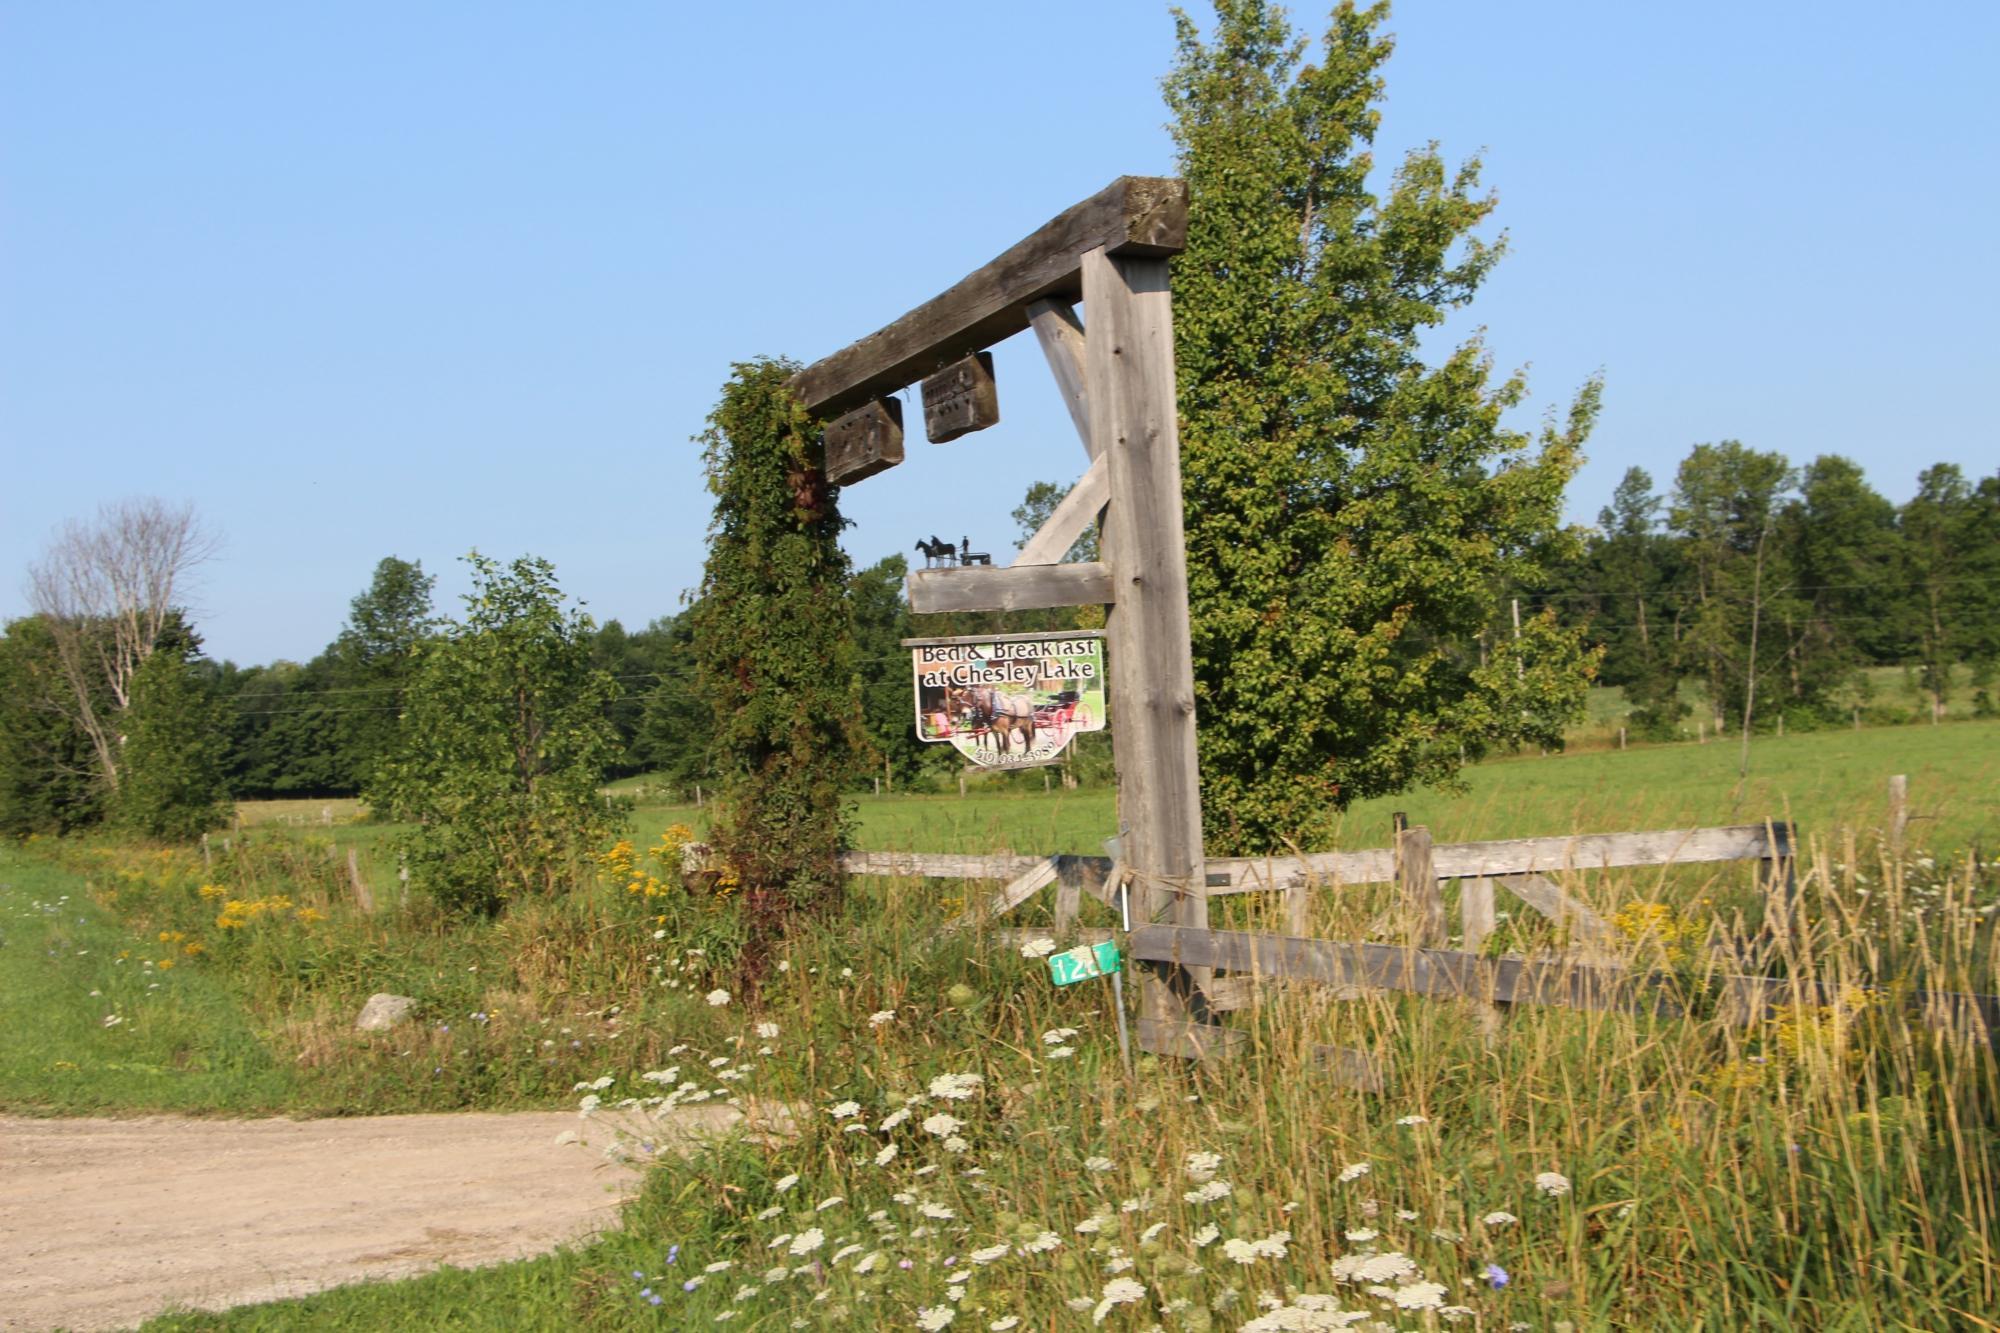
(503, 744)
(1351, 509)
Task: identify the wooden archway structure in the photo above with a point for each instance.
(1110, 253)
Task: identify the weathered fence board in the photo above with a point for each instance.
(1018, 890)
(936, 865)
(1516, 856)
(1134, 215)
(1434, 972)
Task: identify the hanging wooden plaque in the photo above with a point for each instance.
(865, 441)
(961, 399)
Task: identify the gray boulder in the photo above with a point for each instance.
(384, 1011)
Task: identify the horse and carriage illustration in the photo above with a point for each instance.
(1020, 706)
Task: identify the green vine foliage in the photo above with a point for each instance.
(774, 637)
(1351, 510)
(501, 745)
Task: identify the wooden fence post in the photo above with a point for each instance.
(1899, 810)
(1476, 912)
(362, 897)
(1423, 900)
(1129, 390)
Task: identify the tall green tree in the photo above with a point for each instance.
(1352, 509)
(370, 666)
(1951, 599)
(174, 785)
(50, 781)
(1745, 612)
(1632, 568)
(774, 633)
(502, 745)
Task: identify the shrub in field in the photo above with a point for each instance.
(502, 745)
(774, 634)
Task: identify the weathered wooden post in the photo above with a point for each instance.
(1129, 388)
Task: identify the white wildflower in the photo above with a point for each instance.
(1362, 1235)
(1552, 1183)
(1152, 1232)
(894, 1118)
(934, 1317)
(833, 1202)
(881, 1017)
(1273, 1246)
(1390, 1267)
(1209, 1193)
(1354, 1171)
(869, 1262)
(942, 1125)
(955, 1144)
(767, 1031)
(1098, 1164)
(1498, 1219)
(1420, 1296)
(720, 1266)
(1119, 1291)
(785, 1184)
(937, 1212)
(769, 1213)
(1041, 1244)
(1061, 1052)
(886, 1156)
(1203, 1165)
(1207, 1236)
(956, 1087)
(1414, 1120)
(718, 997)
(844, 1110)
(1057, 1036)
(990, 1253)
(1040, 947)
(807, 1241)
(1002, 1325)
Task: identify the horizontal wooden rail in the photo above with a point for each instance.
(936, 865)
(1134, 215)
(1449, 973)
(1516, 856)
(1433, 972)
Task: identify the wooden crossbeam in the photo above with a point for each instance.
(1078, 510)
(1141, 216)
(1015, 588)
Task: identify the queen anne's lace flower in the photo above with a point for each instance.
(956, 1087)
(1420, 1296)
(1354, 1171)
(1552, 1183)
(1209, 1193)
(942, 1125)
(718, 997)
(1118, 1291)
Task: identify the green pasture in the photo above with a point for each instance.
(1820, 780)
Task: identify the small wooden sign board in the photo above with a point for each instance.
(961, 399)
(865, 441)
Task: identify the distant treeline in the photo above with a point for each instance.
(1766, 585)
(1771, 585)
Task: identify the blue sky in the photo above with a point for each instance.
(370, 278)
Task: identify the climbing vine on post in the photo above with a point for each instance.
(774, 639)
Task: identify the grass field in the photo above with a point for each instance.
(1820, 780)
(1828, 1167)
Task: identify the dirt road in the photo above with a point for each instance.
(104, 1223)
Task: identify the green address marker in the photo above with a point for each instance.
(1084, 962)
